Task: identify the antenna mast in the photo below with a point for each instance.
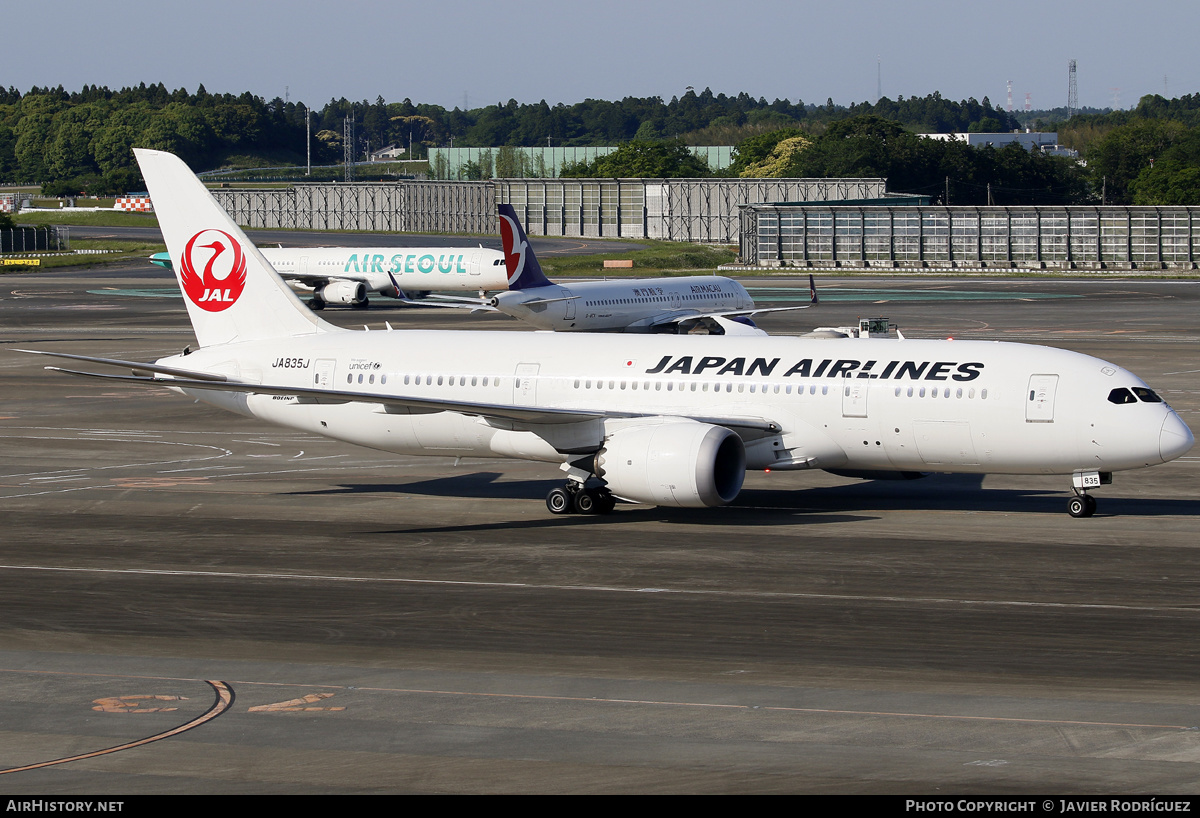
(1072, 92)
(348, 146)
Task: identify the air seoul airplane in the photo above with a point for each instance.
(348, 275)
(672, 420)
(677, 305)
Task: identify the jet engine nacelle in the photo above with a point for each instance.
(684, 464)
(344, 292)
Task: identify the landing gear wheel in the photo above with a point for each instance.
(586, 501)
(1081, 505)
(316, 304)
(559, 501)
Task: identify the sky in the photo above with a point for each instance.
(469, 54)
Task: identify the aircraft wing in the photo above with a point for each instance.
(676, 316)
(181, 379)
(472, 304)
(528, 414)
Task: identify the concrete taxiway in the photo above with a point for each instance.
(196, 602)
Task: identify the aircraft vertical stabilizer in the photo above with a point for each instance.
(524, 271)
(232, 293)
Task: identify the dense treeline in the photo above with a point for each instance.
(949, 172)
(1147, 156)
(83, 139)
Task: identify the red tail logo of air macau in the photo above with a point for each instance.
(514, 254)
(222, 270)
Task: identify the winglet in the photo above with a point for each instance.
(812, 291)
(522, 265)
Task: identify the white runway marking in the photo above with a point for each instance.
(610, 589)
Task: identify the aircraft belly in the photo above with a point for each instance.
(806, 446)
(364, 425)
(945, 443)
(235, 402)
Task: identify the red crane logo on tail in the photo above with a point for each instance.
(222, 270)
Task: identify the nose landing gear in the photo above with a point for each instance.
(1081, 505)
(1084, 504)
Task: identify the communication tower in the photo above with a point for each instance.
(1009, 109)
(1028, 103)
(1072, 92)
(348, 147)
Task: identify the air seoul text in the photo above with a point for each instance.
(401, 263)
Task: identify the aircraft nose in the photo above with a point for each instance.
(1175, 438)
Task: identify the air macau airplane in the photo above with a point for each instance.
(671, 420)
(679, 305)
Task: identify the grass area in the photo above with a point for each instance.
(111, 218)
(657, 258)
(129, 250)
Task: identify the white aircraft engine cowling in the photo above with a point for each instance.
(344, 292)
(684, 464)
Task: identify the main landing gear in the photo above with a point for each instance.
(575, 498)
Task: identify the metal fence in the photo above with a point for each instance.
(697, 210)
(34, 239)
(400, 207)
(980, 237)
(543, 161)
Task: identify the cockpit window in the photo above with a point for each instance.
(1146, 395)
(1121, 395)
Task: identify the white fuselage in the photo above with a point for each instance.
(622, 306)
(415, 268)
(878, 404)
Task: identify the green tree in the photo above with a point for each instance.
(1169, 182)
(182, 130)
(68, 152)
(757, 149)
(1125, 152)
(638, 159)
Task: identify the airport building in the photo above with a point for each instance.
(1043, 141)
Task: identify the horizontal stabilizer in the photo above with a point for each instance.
(134, 365)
